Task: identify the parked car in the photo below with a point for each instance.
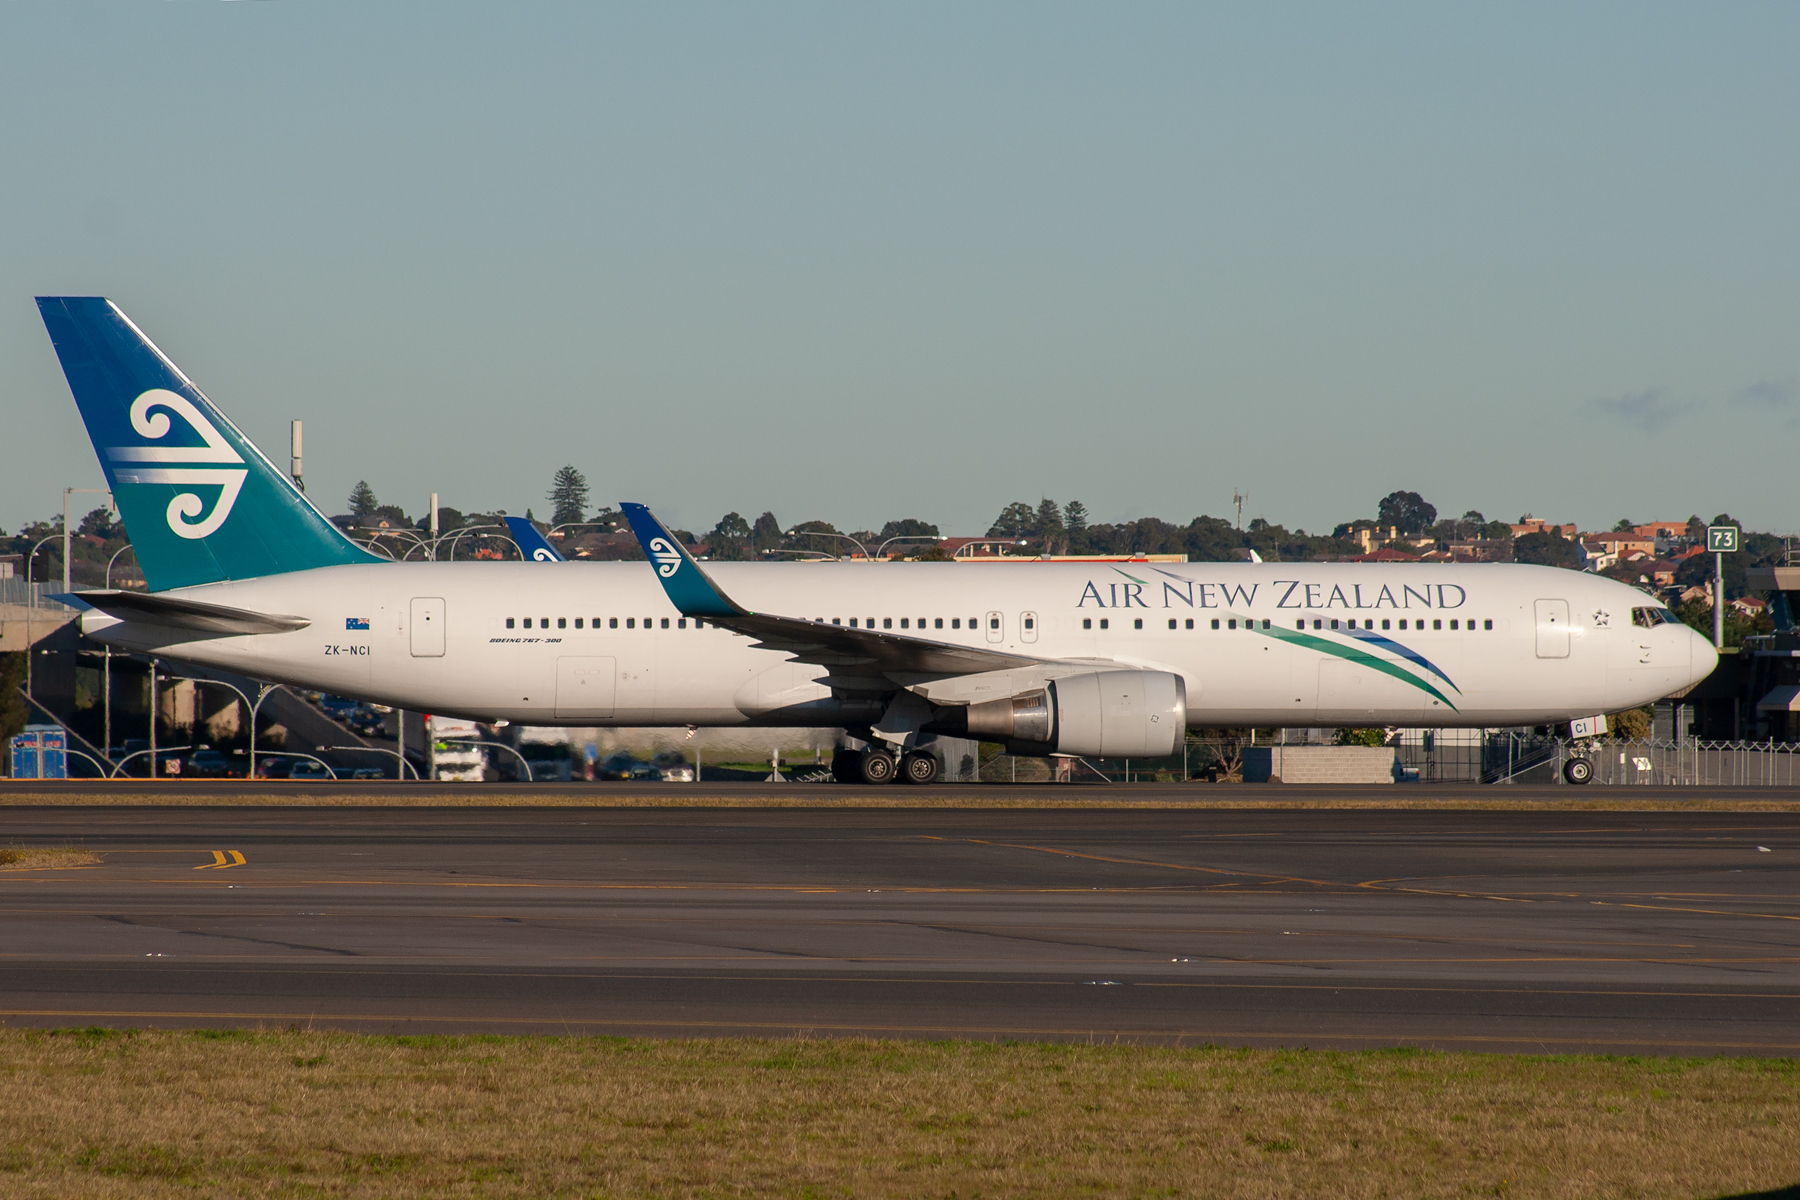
(307, 769)
(207, 763)
(274, 766)
(368, 773)
(366, 722)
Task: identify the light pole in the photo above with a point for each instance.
(253, 707)
(843, 536)
(881, 550)
(67, 492)
(106, 690)
(31, 608)
(404, 765)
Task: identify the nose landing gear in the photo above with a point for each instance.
(1578, 770)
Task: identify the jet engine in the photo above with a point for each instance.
(1111, 714)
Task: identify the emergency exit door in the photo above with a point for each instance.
(428, 627)
(1552, 629)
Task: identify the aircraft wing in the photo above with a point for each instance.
(534, 545)
(173, 612)
(695, 594)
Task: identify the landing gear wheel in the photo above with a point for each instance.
(877, 767)
(1578, 770)
(846, 765)
(919, 767)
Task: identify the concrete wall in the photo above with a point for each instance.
(1318, 764)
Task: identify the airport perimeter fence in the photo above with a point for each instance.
(30, 594)
(1501, 757)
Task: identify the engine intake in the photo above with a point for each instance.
(1112, 714)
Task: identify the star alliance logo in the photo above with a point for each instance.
(1601, 617)
(186, 505)
(668, 559)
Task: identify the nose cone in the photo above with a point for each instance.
(1703, 658)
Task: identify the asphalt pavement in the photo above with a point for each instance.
(1565, 931)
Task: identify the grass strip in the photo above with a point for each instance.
(602, 796)
(40, 858)
(300, 1113)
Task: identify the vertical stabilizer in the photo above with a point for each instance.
(200, 501)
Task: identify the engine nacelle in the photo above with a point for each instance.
(1108, 714)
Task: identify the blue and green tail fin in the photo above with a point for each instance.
(201, 502)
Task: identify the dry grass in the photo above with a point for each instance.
(98, 1113)
(45, 858)
(996, 796)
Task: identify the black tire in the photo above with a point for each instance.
(919, 767)
(878, 766)
(1578, 771)
(846, 765)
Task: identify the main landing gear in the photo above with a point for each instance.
(878, 765)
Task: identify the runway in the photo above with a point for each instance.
(1604, 932)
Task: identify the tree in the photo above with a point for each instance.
(906, 527)
(362, 500)
(1623, 525)
(766, 533)
(730, 537)
(1546, 550)
(1075, 517)
(1014, 521)
(1406, 511)
(100, 523)
(569, 496)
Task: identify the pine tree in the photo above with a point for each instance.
(569, 495)
(362, 500)
(1075, 517)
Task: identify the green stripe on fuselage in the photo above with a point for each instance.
(1360, 657)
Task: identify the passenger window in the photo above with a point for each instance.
(1385, 623)
(868, 622)
(939, 623)
(1137, 622)
(994, 622)
(543, 622)
(1319, 624)
(1231, 624)
(1403, 622)
(1487, 624)
(1215, 622)
(835, 621)
(631, 622)
(1300, 624)
(681, 623)
(853, 622)
(1031, 623)
(903, 622)
(1265, 622)
(1171, 622)
(612, 622)
(509, 622)
(1190, 622)
(578, 622)
(956, 622)
(1453, 622)
(528, 622)
(1334, 624)
(1437, 624)
(1087, 622)
(562, 622)
(1103, 622)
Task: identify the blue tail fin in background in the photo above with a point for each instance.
(200, 501)
(532, 544)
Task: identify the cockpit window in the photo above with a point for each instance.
(1650, 618)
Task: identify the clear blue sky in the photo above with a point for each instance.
(859, 262)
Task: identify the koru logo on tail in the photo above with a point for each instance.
(542, 555)
(186, 505)
(668, 559)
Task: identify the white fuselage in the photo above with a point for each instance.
(1493, 644)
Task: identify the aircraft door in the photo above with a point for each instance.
(1028, 627)
(428, 627)
(1553, 629)
(585, 688)
(996, 630)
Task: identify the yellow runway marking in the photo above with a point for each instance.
(221, 863)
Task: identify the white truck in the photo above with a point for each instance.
(456, 755)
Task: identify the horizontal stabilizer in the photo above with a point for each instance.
(172, 612)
